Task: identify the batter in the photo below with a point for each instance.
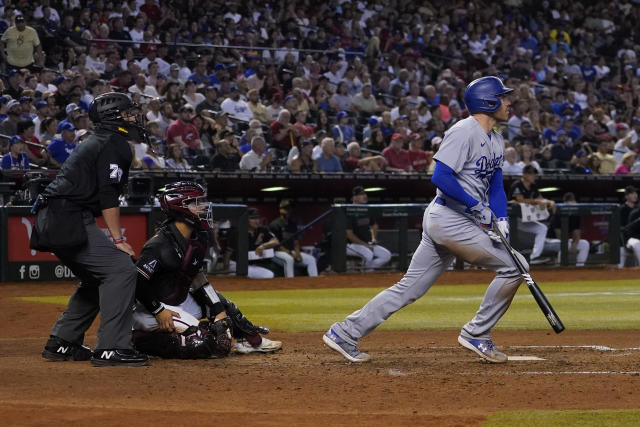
(457, 223)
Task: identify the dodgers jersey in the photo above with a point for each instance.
(473, 156)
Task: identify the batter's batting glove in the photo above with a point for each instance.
(503, 226)
(481, 213)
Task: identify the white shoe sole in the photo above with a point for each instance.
(470, 346)
(339, 349)
(271, 347)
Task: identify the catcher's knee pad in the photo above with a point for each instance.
(217, 336)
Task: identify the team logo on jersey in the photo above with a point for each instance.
(486, 166)
(150, 266)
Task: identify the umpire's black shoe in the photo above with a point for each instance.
(58, 350)
(115, 357)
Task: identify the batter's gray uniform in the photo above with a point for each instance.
(448, 232)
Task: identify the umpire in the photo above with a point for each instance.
(88, 186)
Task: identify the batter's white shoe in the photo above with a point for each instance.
(266, 346)
(349, 351)
(484, 349)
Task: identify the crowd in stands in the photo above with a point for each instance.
(299, 86)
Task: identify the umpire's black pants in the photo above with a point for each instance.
(108, 284)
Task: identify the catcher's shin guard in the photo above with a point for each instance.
(242, 327)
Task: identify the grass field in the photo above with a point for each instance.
(584, 305)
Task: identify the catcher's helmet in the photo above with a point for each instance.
(187, 201)
(483, 95)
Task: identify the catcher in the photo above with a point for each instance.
(173, 293)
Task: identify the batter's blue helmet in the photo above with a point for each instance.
(483, 95)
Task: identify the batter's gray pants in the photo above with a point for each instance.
(446, 234)
(108, 284)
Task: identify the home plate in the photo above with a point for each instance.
(524, 358)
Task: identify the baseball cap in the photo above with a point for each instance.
(342, 114)
(71, 107)
(436, 140)
(13, 72)
(4, 99)
(306, 142)
(285, 204)
(13, 103)
(24, 99)
(621, 126)
(174, 67)
(67, 126)
(372, 121)
(185, 107)
(60, 79)
(630, 189)
(561, 132)
(396, 136)
(253, 213)
(15, 139)
(357, 190)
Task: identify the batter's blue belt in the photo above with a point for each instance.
(441, 201)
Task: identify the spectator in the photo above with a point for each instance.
(210, 102)
(227, 157)
(593, 163)
(23, 49)
(285, 135)
(579, 162)
(343, 131)
(236, 107)
(362, 236)
(73, 112)
(561, 152)
(190, 96)
(526, 158)
(10, 125)
(259, 111)
(525, 191)
(302, 162)
(355, 161)
(48, 126)
(175, 160)
(183, 132)
(305, 131)
(366, 102)
(26, 131)
(17, 157)
(398, 159)
(341, 100)
(624, 168)
(285, 230)
(518, 108)
(61, 148)
(624, 143)
(153, 158)
(141, 87)
(42, 111)
(608, 163)
(258, 159)
(328, 161)
(420, 159)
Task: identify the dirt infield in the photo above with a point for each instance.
(420, 378)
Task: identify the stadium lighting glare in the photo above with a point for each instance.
(374, 189)
(620, 190)
(274, 189)
(548, 189)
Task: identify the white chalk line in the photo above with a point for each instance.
(550, 294)
(550, 347)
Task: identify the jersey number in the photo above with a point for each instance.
(115, 172)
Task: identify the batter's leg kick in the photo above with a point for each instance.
(537, 293)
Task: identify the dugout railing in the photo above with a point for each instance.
(20, 263)
(402, 212)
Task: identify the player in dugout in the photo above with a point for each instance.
(173, 293)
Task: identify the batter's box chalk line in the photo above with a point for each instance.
(511, 373)
(549, 347)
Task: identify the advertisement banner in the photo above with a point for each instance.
(28, 264)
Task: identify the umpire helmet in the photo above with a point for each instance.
(109, 107)
(483, 95)
(187, 201)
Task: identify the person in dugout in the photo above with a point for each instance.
(173, 293)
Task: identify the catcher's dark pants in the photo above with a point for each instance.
(108, 284)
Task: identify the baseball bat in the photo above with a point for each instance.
(538, 295)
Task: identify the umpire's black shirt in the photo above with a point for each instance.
(96, 173)
(518, 189)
